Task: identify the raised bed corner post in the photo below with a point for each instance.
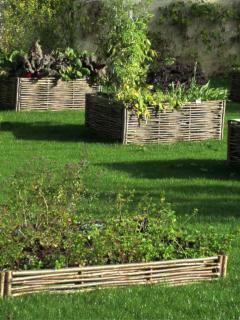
(223, 120)
(2, 284)
(223, 260)
(18, 90)
(8, 284)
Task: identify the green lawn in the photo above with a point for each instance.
(193, 175)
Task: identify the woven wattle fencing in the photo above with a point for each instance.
(235, 86)
(194, 122)
(234, 141)
(22, 94)
(173, 272)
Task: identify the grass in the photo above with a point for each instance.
(193, 175)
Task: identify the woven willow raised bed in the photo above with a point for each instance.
(173, 272)
(192, 123)
(234, 141)
(235, 86)
(22, 94)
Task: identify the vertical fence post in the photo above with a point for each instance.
(8, 284)
(2, 284)
(223, 259)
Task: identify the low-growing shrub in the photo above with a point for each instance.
(46, 223)
(165, 72)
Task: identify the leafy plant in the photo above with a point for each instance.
(67, 65)
(57, 23)
(124, 44)
(138, 99)
(43, 225)
(10, 64)
(205, 92)
(165, 72)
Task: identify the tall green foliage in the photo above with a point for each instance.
(57, 23)
(124, 42)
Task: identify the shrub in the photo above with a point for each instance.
(46, 224)
(165, 72)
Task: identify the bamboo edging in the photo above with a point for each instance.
(172, 273)
(23, 94)
(193, 122)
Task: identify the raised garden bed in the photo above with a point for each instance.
(234, 141)
(194, 122)
(23, 94)
(173, 272)
(235, 86)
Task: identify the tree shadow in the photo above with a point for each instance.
(52, 132)
(208, 185)
(178, 169)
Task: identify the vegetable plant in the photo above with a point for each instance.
(66, 65)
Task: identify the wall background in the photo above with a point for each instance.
(212, 61)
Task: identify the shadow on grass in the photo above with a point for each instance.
(208, 185)
(178, 169)
(52, 132)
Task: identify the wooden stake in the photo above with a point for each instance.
(8, 284)
(224, 261)
(2, 284)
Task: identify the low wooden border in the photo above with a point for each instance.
(194, 122)
(234, 142)
(22, 94)
(173, 272)
(235, 87)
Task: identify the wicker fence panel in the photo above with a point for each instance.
(234, 141)
(45, 94)
(235, 86)
(194, 122)
(105, 117)
(8, 92)
(173, 272)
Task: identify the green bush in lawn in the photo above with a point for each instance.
(47, 223)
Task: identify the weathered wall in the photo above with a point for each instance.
(209, 59)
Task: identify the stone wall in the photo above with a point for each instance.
(210, 60)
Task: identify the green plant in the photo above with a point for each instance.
(57, 23)
(205, 92)
(10, 64)
(124, 43)
(43, 225)
(67, 65)
(138, 99)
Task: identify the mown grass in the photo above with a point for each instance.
(193, 175)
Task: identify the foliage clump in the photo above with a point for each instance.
(164, 72)
(47, 223)
(69, 64)
(135, 74)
